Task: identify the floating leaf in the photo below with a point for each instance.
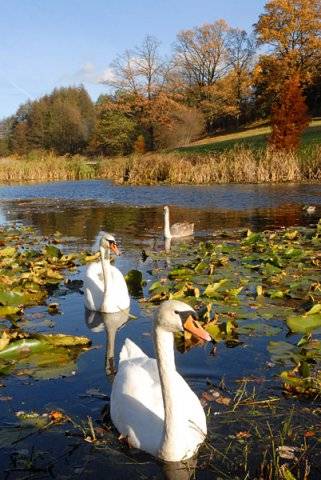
(211, 290)
(7, 252)
(9, 310)
(53, 251)
(304, 323)
(180, 273)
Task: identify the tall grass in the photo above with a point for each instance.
(40, 166)
(238, 165)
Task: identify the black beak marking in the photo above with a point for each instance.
(185, 314)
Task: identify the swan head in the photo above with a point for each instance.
(108, 242)
(174, 316)
(166, 210)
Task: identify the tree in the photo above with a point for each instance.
(139, 81)
(201, 53)
(289, 116)
(241, 51)
(62, 121)
(293, 29)
(186, 124)
(114, 133)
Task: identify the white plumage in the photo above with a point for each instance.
(105, 288)
(151, 404)
(177, 230)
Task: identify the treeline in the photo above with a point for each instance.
(217, 78)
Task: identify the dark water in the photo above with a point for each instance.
(80, 210)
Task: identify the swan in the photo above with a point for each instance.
(151, 404)
(178, 229)
(309, 208)
(105, 288)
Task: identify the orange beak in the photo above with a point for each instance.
(195, 329)
(115, 249)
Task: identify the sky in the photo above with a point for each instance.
(52, 43)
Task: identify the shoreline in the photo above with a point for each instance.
(237, 166)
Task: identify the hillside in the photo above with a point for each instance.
(253, 136)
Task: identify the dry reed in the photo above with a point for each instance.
(239, 165)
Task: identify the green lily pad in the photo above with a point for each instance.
(304, 323)
(52, 251)
(211, 290)
(8, 310)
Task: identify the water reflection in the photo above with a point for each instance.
(111, 322)
(210, 208)
(180, 470)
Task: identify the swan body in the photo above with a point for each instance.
(151, 404)
(105, 288)
(309, 208)
(177, 230)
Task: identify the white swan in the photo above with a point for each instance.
(309, 208)
(151, 404)
(105, 288)
(178, 229)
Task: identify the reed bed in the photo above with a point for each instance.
(238, 165)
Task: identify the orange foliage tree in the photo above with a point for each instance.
(293, 29)
(289, 116)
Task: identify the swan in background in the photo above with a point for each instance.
(309, 209)
(111, 322)
(178, 229)
(151, 404)
(105, 288)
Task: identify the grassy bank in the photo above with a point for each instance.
(239, 164)
(253, 137)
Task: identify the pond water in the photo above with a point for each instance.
(80, 211)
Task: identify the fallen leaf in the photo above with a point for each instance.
(243, 435)
(56, 416)
(309, 433)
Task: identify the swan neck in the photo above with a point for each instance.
(164, 344)
(167, 230)
(105, 263)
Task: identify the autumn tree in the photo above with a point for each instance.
(241, 50)
(292, 28)
(62, 121)
(201, 53)
(139, 80)
(289, 116)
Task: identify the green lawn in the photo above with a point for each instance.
(252, 137)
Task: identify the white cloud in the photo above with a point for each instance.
(88, 73)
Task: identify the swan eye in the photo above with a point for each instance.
(185, 314)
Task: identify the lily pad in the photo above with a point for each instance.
(304, 323)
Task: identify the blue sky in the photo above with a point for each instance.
(50, 43)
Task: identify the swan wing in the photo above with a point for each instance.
(93, 286)
(136, 408)
(117, 292)
(182, 229)
(130, 351)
